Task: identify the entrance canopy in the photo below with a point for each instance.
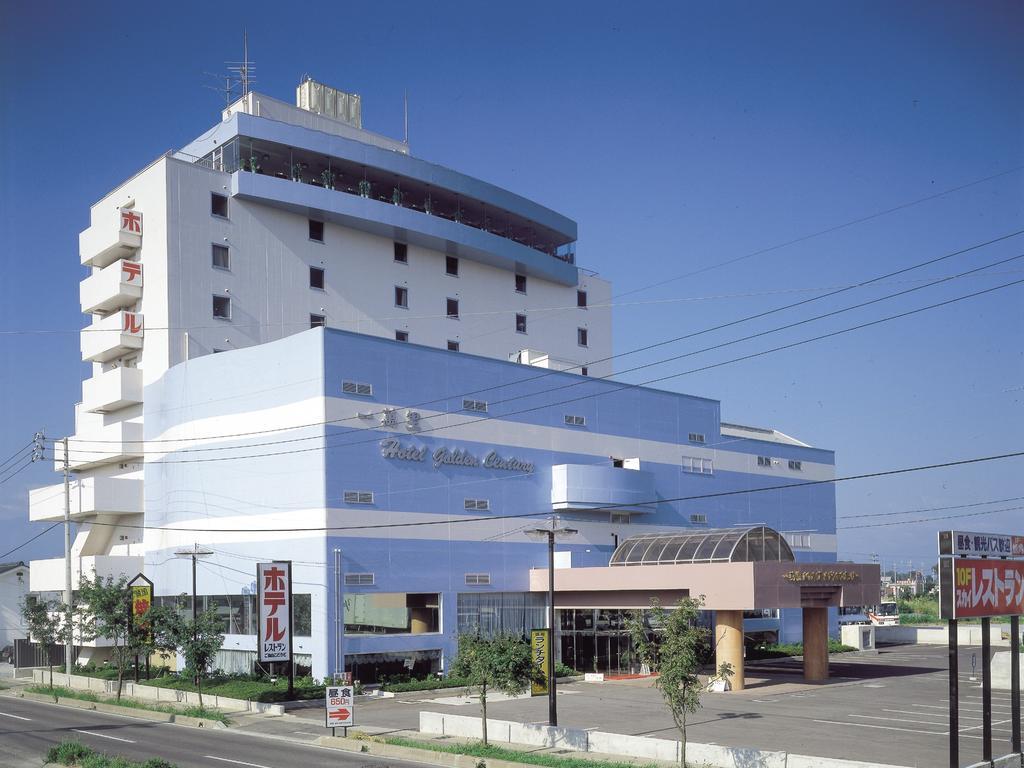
(715, 545)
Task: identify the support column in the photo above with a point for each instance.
(729, 644)
(815, 643)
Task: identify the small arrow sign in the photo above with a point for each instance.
(340, 714)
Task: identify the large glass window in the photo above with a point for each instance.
(491, 613)
(392, 613)
(238, 612)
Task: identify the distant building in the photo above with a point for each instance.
(14, 582)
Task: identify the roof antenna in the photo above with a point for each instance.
(243, 71)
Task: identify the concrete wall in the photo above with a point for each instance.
(13, 588)
(967, 634)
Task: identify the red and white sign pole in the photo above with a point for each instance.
(274, 629)
(339, 702)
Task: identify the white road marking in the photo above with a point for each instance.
(103, 736)
(899, 720)
(236, 762)
(884, 727)
(16, 717)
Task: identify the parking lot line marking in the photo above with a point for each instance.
(236, 762)
(883, 727)
(994, 724)
(16, 717)
(899, 720)
(925, 714)
(103, 736)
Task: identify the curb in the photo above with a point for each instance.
(378, 749)
(116, 709)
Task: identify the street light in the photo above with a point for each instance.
(550, 534)
(194, 553)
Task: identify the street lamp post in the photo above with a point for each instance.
(194, 553)
(550, 534)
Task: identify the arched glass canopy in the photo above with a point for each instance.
(706, 545)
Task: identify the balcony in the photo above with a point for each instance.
(48, 575)
(89, 496)
(112, 337)
(94, 447)
(111, 390)
(117, 286)
(583, 486)
(115, 233)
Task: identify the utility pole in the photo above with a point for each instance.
(194, 554)
(68, 597)
(339, 618)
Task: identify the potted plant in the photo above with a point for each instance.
(327, 177)
(364, 188)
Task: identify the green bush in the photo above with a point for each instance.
(76, 753)
(425, 685)
(62, 693)
(477, 749)
(561, 670)
(782, 650)
(245, 687)
(67, 752)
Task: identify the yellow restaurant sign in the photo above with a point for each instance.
(539, 651)
(821, 576)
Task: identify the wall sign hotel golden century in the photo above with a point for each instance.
(457, 457)
(821, 577)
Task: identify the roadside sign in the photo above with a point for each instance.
(340, 706)
(980, 588)
(539, 651)
(973, 544)
(274, 602)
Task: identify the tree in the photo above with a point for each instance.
(47, 623)
(674, 651)
(502, 663)
(197, 640)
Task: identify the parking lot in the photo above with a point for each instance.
(890, 707)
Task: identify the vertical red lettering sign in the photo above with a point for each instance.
(274, 599)
(131, 272)
(131, 221)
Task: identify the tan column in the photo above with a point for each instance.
(815, 643)
(419, 620)
(729, 644)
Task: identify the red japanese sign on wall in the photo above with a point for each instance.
(131, 221)
(976, 588)
(131, 272)
(274, 598)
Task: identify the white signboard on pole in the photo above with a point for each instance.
(274, 600)
(341, 709)
(973, 544)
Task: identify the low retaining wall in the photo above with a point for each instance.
(967, 634)
(114, 709)
(153, 693)
(581, 740)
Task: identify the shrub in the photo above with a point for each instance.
(68, 753)
(561, 670)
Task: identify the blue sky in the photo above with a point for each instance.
(678, 135)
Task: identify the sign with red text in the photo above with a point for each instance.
(274, 601)
(973, 544)
(341, 711)
(131, 272)
(131, 221)
(141, 590)
(132, 324)
(980, 588)
(539, 652)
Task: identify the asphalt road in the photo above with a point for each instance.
(28, 729)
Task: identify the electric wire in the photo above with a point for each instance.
(16, 472)
(29, 541)
(933, 509)
(16, 456)
(928, 519)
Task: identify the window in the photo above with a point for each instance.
(699, 519)
(618, 463)
(583, 371)
(575, 421)
(316, 278)
(401, 253)
(698, 466)
(696, 437)
(481, 505)
(359, 497)
(451, 266)
(520, 283)
(392, 613)
(317, 321)
(478, 578)
(619, 518)
(221, 257)
(316, 230)
(219, 205)
(764, 461)
(453, 346)
(215, 351)
(798, 540)
(401, 297)
(358, 579)
(581, 336)
(356, 388)
(401, 335)
(222, 307)
(479, 406)
(796, 465)
(453, 308)
(581, 298)
(520, 323)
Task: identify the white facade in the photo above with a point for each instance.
(13, 588)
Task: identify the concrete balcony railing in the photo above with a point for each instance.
(48, 575)
(582, 487)
(111, 444)
(88, 496)
(117, 286)
(112, 337)
(111, 390)
(115, 233)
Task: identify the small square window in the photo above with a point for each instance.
(401, 297)
(401, 335)
(453, 308)
(796, 465)
(317, 321)
(520, 283)
(581, 298)
(219, 205)
(451, 266)
(402, 253)
(221, 257)
(316, 278)
(316, 230)
(520, 323)
(581, 336)
(583, 371)
(696, 437)
(764, 461)
(453, 346)
(222, 307)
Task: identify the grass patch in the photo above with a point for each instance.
(477, 749)
(782, 650)
(76, 753)
(189, 711)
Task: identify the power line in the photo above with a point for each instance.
(26, 543)
(603, 508)
(16, 456)
(16, 472)
(761, 353)
(928, 519)
(933, 509)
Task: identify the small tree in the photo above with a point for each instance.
(47, 623)
(197, 640)
(674, 651)
(106, 609)
(502, 663)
